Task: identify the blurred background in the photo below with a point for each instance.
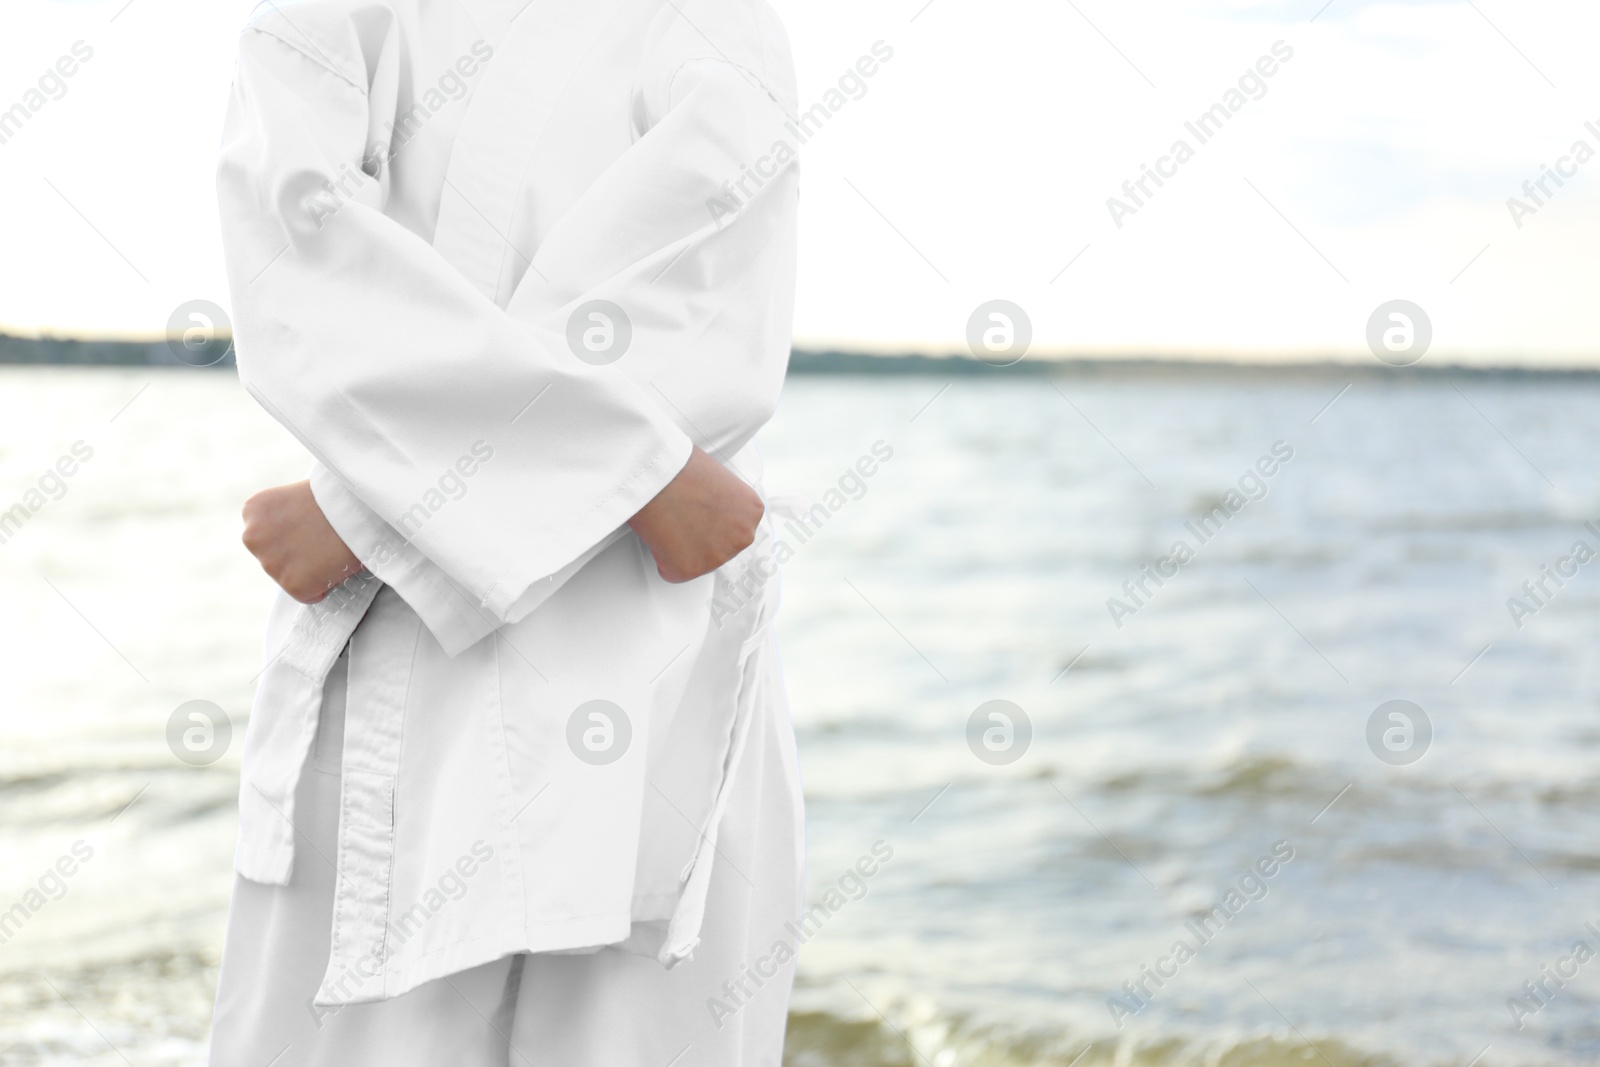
(1424, 536)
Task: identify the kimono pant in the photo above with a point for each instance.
(607, 1008)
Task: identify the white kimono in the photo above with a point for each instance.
(420, 200)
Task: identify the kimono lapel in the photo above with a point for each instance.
(543, 46)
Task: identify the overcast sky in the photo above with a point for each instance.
(1376, 164)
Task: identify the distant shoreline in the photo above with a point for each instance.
(75, 352)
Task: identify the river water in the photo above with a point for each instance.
(1179, 741)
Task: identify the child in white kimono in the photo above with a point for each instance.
(519, 784)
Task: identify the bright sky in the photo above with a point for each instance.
(977, 166)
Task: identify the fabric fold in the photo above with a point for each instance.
(424, 208)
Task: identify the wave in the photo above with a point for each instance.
(1256, 776)
(823, 1039)
(42, 800)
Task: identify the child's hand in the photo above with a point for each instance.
(286, 531)
(702, 519)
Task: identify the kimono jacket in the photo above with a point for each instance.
(422, 203)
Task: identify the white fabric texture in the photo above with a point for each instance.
(599, 1009)
(416, 197)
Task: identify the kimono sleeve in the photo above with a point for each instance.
(692, 233)
(454, 618)
(697, 224)
(496, 453)
(705, 273)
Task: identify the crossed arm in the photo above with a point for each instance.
(293, 123)
(704, 517)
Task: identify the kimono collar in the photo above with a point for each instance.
(505, 117)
